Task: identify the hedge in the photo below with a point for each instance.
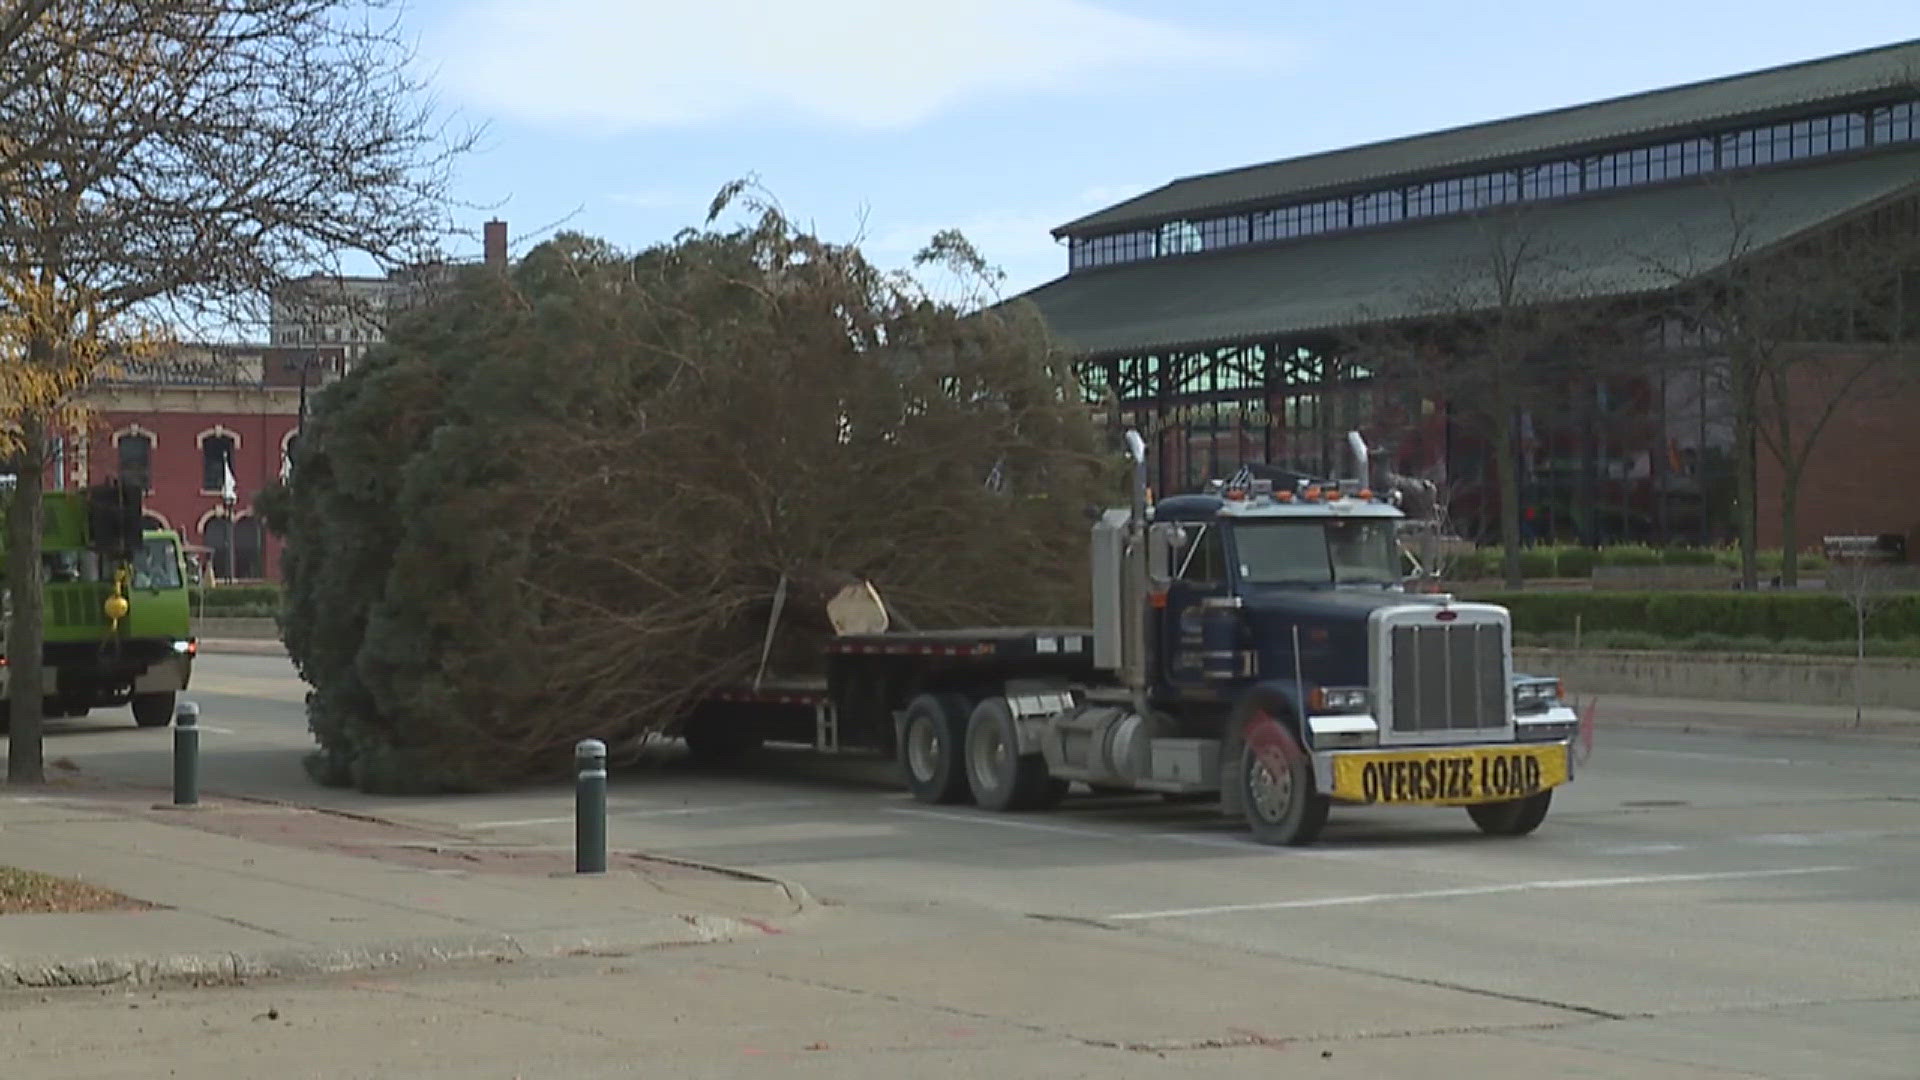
(1896, 648)
(221, 598)
(1769, 616)
(1554, 561)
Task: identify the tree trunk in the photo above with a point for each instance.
(1789, 525)
(1509, 479)
(25, 757)
(1746, 480)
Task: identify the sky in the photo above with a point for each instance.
(884, 121)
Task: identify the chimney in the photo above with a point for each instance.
(496, 244)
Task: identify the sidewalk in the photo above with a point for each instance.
(243, 890)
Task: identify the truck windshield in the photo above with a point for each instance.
(1323, 552)
(157, 566)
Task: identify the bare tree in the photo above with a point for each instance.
(1793, 331)
(1493, 335)
(165, 162)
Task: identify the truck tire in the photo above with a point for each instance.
(1277, 790)
(1000, 776)
(1514, 817)
(931, 754)
(153, 710)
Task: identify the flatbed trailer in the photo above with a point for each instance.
(870, 680)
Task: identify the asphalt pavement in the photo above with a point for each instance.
(1698, 903)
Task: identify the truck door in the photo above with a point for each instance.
(1202, 574)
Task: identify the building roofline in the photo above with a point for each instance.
(1110, 218)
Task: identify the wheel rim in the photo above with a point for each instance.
(1270, 794)
(923, 749)
(989, 757)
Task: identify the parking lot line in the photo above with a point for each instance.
(1474, 890)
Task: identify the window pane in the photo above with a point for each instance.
(216, 452)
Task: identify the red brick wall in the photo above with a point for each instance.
(1863, 473)
(176, 496)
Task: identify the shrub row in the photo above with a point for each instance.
(221, 599)
(1579, 562)
(1671, 615)
(1898, 648)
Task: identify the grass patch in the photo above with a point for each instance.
(30, 892)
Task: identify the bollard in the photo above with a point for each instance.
(590, 807)
(186, 754)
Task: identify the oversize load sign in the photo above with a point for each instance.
(1449, 777)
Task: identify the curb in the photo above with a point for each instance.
(227, 967)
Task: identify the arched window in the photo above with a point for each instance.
(135, 450)
(153, 523)
(216, 456)
(216, 532)
(249, 549)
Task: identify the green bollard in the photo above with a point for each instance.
(590, 807)
(186, 754)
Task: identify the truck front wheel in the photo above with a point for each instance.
(1001, 777)
(1514, 817)
(931, 755)
(153, 710)
(1276, 787)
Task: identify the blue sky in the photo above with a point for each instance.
(890, 119)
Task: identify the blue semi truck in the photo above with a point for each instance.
(1254, 643)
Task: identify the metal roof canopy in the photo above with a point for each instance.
(1793, 87)
(1625, 243)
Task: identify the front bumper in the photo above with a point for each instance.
(1540, 757)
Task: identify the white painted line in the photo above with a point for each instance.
(1244, 847)
(1697, 755)
(217, 730)
(1475, 890)
(727, 808)
(1640, 849)
(519, 823)
(645, 812)
(1007, 823)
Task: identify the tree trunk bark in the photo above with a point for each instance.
(1746, 480)
(1509, 478)
(1789, 526)
(25, 756)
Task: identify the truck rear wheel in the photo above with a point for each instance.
(153, 710)
(1001, 777)
(1514, 817)
(931, 755)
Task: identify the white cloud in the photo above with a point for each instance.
(620, 65)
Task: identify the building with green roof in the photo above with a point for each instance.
(1220, 311)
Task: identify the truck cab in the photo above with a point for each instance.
(97, 561)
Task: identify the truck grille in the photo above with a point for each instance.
(75, 606)
(1448, 677)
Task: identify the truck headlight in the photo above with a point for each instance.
(1339, 699)
(1536, 695)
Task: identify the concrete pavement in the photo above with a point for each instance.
(249, 890)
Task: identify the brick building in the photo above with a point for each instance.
(181, 422)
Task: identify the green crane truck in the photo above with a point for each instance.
(118, 628)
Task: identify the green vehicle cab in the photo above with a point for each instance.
(117, 621)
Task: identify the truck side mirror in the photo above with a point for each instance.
(1164, 544)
